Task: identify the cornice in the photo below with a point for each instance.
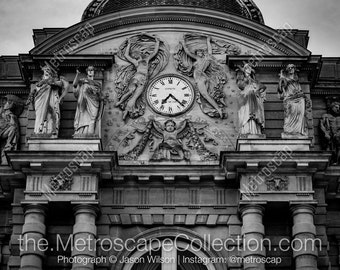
(151, 16)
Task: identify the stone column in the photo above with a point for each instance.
(84, 234)
(33, 244)
(253, 233)
(305, 253)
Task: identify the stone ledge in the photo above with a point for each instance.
(273, 145)
(47, 144)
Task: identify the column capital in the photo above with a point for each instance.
(256, 208)
(301, 208)
(86, 208)
(39, 208)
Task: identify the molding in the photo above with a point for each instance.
(146, 18)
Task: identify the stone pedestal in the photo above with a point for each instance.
(84, 233)
(81, 144)
(273, 145)
(304, 233)
(33, 232)
(253, 233)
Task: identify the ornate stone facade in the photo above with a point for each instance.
(170, 138)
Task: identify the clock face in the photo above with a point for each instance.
(170, 95)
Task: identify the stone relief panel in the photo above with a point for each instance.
(265, 186)
(61, 182)
(194, 58)
(129, 128)
(277, 183)
(170, 141)
(147, 56)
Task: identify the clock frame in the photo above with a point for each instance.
(170, 95)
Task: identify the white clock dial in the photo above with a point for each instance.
(170, 95)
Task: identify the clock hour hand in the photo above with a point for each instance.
(166, 99)
(174, 98)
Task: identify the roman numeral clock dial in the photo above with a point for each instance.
(170, 95)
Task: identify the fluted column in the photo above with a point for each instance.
(253, 233)
(33, 243)
(84, 233)
(305, 251)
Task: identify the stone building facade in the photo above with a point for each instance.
(179, 134)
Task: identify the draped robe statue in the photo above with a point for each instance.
(330, 129)
(295, 104)
(9, 125)
(45, 99)
(89, 104)
(251, 98)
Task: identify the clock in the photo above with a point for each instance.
(170, 95)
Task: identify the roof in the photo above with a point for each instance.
(243, 8)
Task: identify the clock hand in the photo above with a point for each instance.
(177, 100)
(166, 99)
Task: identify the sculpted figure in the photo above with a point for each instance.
(194, 58)
(295, 104)
(147, 56)
(330, 130)
(9, 125)
(251, 110)
(89, 103)
(173, 137)
(45, 99)
(171, 147)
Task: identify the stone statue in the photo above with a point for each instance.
(295, 104)
(9, 125)
(194, 58)
(147, 56)
(251, 98)
(89, 103)
(330, 129)
(45, 100)
(171, 147)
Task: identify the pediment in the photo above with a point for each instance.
(111, 29)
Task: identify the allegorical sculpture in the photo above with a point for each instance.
(194, 58)
(171, 147)
(45, 100)
(89, 103)
(166, 140)
(148, 56)
(9, 125)
(330, 129)
(295, 104)
(251, 98)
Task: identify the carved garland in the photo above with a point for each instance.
(61, 182)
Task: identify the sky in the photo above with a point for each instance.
(19, 17)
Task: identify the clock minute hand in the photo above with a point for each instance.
(177, 100)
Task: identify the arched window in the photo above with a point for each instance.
(169, 254)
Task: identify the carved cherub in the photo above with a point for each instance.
(171, 147)
(171, 134)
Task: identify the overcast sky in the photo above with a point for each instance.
(19, 17)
